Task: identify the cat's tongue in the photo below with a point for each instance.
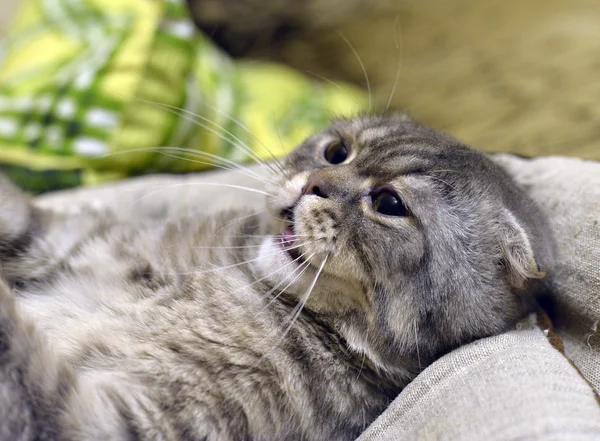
(288, 237)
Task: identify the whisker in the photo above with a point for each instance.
(400, 48)
(303, 301)
(417, 343)
(228, 248)
(264, 147)
(276, 271)
(247, 130)
(293, 247)
(210, 184)
(193, 117)
(361, 366)
(282, 148)
(212, 164)
(239, 219)
(234, 265)
(397, 41)
(306, 265)
(440, 170)
(333, 83)
(362, 66)
(226, 161)
(189, 151)
(263, 235)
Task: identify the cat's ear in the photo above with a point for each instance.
(517, 252)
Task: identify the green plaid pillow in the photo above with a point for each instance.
(90, 89)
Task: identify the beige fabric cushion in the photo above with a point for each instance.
(508, 387)
(568, 190)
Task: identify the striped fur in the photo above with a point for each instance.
(169, 328)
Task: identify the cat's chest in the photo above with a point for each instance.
(112, 285)
(172, 308)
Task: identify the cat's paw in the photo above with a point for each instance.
(15, 212)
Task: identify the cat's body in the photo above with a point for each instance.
(140, 311)
(177, 328)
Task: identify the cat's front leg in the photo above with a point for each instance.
(31, 378)
(15, 217)
(33, 383)
(20, 224)
(36, 242)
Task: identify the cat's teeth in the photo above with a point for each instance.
(288, 237)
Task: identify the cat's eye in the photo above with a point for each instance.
(388, 203)
(337, 152)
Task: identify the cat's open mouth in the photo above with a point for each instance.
(288, 234)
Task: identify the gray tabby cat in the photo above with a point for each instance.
(388, 245)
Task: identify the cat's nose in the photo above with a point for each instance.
(315, 186)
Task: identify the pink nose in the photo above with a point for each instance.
(315, 186)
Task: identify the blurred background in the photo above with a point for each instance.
(7, 9)
(518, 75)
(83, 79)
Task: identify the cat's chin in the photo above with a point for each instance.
(276, 264)
(282, 265)
(277, 255)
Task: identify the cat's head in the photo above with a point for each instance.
(423, 243)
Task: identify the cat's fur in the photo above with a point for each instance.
(155, 329)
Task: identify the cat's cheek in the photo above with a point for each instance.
(274, 263)
(347, 267)
(316, 230)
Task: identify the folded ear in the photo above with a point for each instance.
(517, 253)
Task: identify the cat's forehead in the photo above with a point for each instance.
(370, 127)
(393, 132)
(397, 145)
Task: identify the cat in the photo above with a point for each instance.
(386, 244)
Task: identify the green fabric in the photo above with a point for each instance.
(89, 89)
